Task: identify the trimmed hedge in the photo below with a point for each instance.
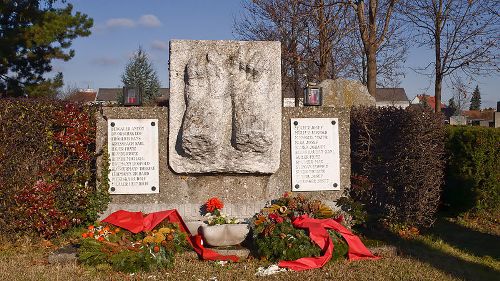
(397, 157)
(473, 169)
(47, 167)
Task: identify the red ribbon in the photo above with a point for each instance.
(319, 234)
(137, 222)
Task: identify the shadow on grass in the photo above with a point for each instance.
(475, 242)
(451, 264)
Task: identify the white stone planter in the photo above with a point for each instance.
(224, 234)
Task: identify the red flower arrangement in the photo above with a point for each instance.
(214, 204)
(213, 208)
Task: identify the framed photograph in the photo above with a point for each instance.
(312, 96)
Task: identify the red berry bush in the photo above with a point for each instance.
(48, 167)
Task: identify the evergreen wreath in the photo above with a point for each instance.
(129, 252)
(275, 238)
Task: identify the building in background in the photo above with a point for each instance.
(425, 99)
(109, 96)
(396, 97)
(86, 96)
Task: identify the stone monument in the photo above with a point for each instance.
(225, 101)
(226, 134)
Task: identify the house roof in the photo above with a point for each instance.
(82, 96)
(108, 94)
(390, 94)
(479, 114)
(431, 100)
(111, 94)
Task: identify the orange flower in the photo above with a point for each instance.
(156, 249)
(84, 235)
(100, 238)
(117, 230)
(91, 227)
(214, 204)
(260, 220)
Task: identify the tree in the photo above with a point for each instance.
(32, 34)
(460, 90)
(475, 100)
(391, 56)
(371, 16)
(284, 21)
(463, 34)
(140, 74)
(320, 40)
(452, 106)
(50, 87)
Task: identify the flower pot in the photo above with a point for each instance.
(224, 234)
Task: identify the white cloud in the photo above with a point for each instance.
(120, 22)
(159, 45)
(144, 21)
(149, 21)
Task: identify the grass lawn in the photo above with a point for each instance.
(449, 251)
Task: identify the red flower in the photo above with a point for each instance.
(277, 218)
(214, 204)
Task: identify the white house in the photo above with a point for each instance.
(391, 97)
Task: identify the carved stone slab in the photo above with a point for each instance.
(225, 106)
(133, 155)
(315, 154)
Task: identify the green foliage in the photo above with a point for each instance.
(351, 203)
(140, 74)
(475, 100)
(49, 88)
(286, 242)
(90, 252)
(130, 261)
(47, 167)
(275, 237)
(400, 153)
(31, 36)
(453, 107)
(473, 169)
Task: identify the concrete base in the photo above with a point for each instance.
(241, 252)
(64, 255)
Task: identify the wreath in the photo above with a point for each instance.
(276, 239)
(128, 252)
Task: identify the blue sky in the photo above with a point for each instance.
(121, 26)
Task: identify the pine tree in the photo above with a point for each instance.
(140, 74)
(32, 34)
(453, 107)
(475, 100)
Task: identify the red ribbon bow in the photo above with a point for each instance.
(319, 234)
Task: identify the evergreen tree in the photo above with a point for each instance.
(475, 100)
(140, 74)
(32, 34)
(452, 106)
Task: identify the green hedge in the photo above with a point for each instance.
(47, 167)
(473, 169)
(397, 159)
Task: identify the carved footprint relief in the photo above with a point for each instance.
(206, 95)
(250, 101)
